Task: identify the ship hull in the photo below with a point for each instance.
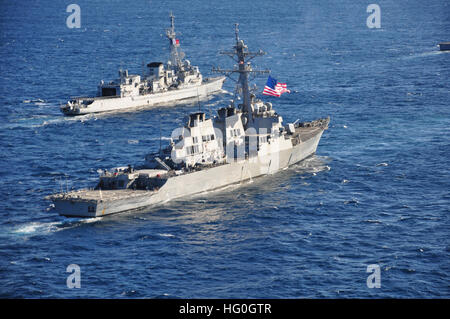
(444, 46)
(193, 183)
(149, 100)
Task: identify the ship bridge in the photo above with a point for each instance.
(199, 142)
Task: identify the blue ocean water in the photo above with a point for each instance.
(376, 192)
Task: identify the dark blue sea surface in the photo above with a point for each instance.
(376, 192)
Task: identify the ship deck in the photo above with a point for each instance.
(105, 195)
(94, 98)
(308, 132)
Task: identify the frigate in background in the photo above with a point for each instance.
(159, 84)
(241, 142)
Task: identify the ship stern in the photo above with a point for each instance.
(76, 208)
(69, 110)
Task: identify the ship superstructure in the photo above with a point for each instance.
(160, 83)
(241, 142)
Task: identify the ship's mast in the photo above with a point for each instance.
(175, 54)
(242, 56)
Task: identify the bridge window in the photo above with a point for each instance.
(192, 150)
(207, 138)
(235, 132)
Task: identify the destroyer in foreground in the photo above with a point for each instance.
(238, 144)
(177, 80)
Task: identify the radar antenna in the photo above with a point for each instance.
(176, 55)
(242, 56)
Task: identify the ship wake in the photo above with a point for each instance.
(312, 165)
(44, 228)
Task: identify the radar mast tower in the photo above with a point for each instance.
(176, 55)
(242, 56)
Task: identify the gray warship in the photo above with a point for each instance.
(171, 83)
(241, 142)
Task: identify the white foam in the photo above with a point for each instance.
(166, 235)
(51, 227)
(37, 227)
(374, 221)
(424, 54)
(90, 220)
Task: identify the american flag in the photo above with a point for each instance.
(274, 88)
